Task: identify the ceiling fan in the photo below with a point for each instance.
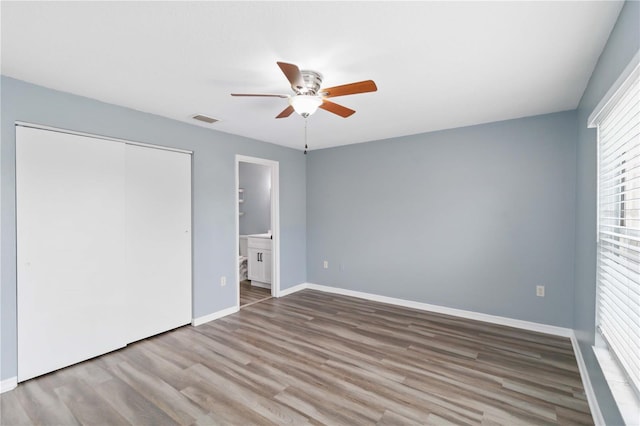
(309, 96)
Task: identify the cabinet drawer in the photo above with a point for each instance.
(260, 243)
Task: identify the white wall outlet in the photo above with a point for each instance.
(540, 290)
(325, 264)
(223, 281)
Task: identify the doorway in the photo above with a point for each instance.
(257, 230)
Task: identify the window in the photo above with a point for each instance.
(618, 271)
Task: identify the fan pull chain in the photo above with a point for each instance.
(306, 147)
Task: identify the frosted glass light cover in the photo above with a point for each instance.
(305, 105)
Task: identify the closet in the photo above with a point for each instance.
(103, 245)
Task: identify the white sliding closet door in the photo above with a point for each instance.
(70, 257)
(158, 240)
(104, 246)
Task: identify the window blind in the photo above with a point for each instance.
(618, 271)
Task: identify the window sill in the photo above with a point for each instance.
(625, 398)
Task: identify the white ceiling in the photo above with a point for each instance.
(437, 65)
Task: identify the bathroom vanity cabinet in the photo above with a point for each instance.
(259, 254)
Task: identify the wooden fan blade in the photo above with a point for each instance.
(340, 110)
(350, 89)
(286, 112)
(264, 95)
(293, 74)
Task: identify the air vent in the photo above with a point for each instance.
(204, 118)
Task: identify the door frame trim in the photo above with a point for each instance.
(275, 222)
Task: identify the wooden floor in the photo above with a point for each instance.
(250, 294)
(317, 358)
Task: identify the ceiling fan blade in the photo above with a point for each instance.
(265, 95)
(293, 74)
(350, 89)
(340, 110)
(286, 112)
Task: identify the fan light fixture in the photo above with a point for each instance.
(305, 105)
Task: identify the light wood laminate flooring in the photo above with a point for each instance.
(317, 358)
(250, 294)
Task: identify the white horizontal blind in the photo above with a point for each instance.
(618, 273)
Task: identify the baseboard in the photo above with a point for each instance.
(290, 290)
(214, 316)
(8, 384)
(494, 319)
(586, 383)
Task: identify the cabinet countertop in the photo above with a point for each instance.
(265, 235)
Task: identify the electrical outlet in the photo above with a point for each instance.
(325, 264)
(223, 281)
(540, 290)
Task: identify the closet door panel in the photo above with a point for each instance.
(158, 240)
(70, 235)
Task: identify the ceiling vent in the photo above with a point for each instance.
(204, 118)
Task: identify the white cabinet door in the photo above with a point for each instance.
(70, 261)
(255, 267)
(260, 263)
(266, 266)
(158, 240)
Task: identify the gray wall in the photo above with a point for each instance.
(470, 218)
(623, 43)
(214, 192)
(255, 179)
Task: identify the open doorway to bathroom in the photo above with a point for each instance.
(257, 230)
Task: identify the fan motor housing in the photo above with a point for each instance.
(313, 81)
